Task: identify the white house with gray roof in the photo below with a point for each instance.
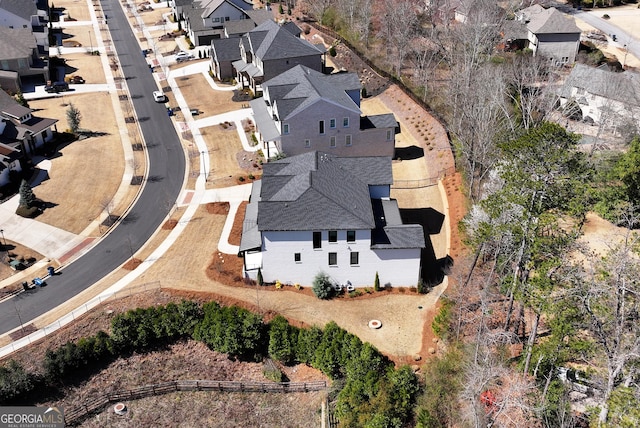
(302, 110)
(551, 34)
(608, 98)
(318, 212)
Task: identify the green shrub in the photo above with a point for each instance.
(322, 286)
(16, 384)
(27, 212)
(442, 320)
(232, 330)
(332, 51)
(282, 340)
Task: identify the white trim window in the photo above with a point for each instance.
(332, 123)
(285, 128)
(347, 140)
(345, 122)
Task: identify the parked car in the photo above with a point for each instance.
(159, 97)
(76, 79)
(183, 56)
(56, 87)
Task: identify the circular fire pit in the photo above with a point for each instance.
(120, 409)
(375, 324)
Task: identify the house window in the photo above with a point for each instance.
(333, 236)
(351, 236)
(388, 135)
(332, 123)
(333, 141)
(216, 19)
(347, 140)
(354, 257)
(5, 64)
(307, 143)
(297, 258)
(345, 122)
(317, 240)
(333, 259)
(321, 126)
(285, 128)
(22, 63)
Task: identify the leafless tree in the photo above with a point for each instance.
(607, 293)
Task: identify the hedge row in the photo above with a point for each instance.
(375, 394)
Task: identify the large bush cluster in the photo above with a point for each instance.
(373, 393)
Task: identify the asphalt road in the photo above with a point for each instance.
(166, 174)
(623, 39)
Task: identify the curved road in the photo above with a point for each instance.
(622, 37)
(165, 179)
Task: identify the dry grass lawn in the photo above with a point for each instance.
(223, 145)
(85, 174)
(198, 94)
(87, 66)
(74, 10)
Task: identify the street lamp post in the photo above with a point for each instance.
(4, 241)
(90, 43)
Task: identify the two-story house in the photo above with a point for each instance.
(19, 58)
(607, 98)
(206, 20)
(27, 14)
(263, 53)
(302, 110)
(21, 134)
(551, 34)
(317, 212)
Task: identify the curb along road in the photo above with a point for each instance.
(166, 173)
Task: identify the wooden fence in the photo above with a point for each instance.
(75, 415)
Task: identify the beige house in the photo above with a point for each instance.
(303, 110)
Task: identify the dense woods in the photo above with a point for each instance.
(534, 314)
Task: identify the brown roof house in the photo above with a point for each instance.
(21, 134)
(263, 53)
(551, 34)
(303, 110)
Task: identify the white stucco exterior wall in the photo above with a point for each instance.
(398, 267)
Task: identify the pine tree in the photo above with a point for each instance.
(27, 198)
(73, 118)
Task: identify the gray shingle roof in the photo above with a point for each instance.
(16, 43)
(23, 8)
(386, 120)
(251, 237)
(319, 191)
(264, 121)
(299, 87)
(623, 87)
(390, 232)
(226, 49)
(549, 21)
(270, 41)
(238, 27)
(258, 16)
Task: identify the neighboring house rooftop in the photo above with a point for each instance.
(226, 49)
(547, 21)
(270, 41)
(14, 130)
(623, 87)
(23, 8)
(297, 88)
(16, 43)
(316, 190)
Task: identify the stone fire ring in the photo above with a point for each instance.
(375, 324)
